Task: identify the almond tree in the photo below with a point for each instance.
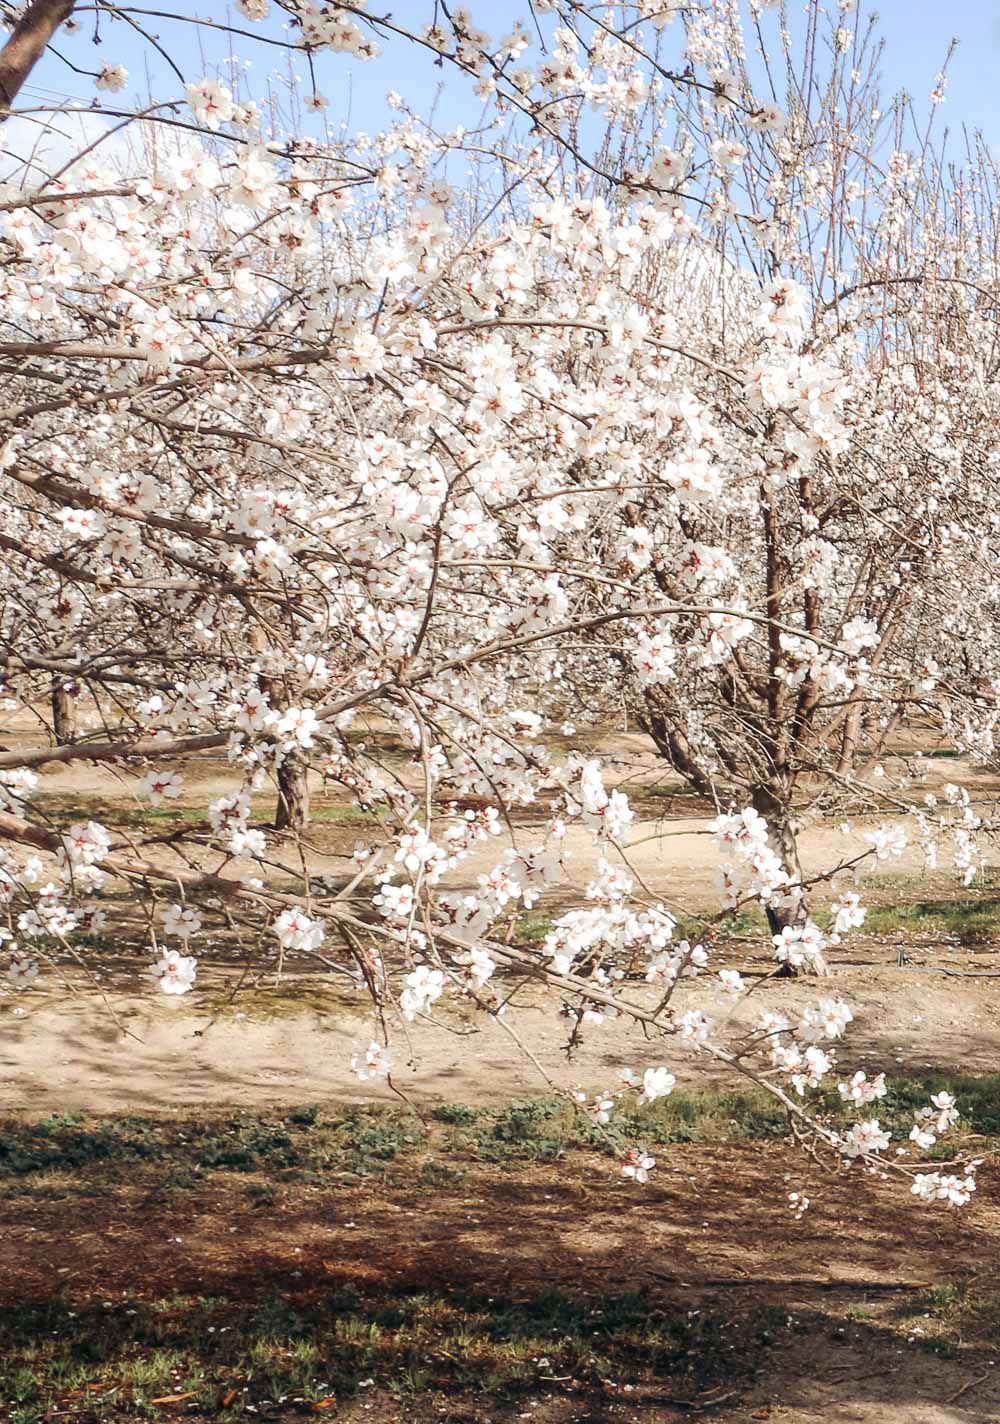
(301, 441)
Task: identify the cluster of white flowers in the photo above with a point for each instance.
(759, 873)
(934, 1120)
(175, 973)
(944, 1187)
(296, 930)
(862, 1090)
(375, 1062)
(866, 1138)
(22, 973)
(310, 456)
(421, 989)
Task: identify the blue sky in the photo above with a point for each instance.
(917, 34)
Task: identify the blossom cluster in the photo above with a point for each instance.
(351, 474)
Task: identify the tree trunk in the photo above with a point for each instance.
(292, 812)
(63, 712)
(32, 33)
(293, 794)
(781, 839)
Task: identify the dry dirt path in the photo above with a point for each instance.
(64, 1052)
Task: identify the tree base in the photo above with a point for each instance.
(815, 969)
(292, 813)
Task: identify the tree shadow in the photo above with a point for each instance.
(555, 1280)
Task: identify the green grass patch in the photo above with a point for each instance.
(342, 813)
(929, 905)
(224, 1355)
(545, 1129)
(952, 1315)
(978, 1100)
(532, 928)
(973, 920)
(638, 791)
(128, 814)
(308, 1143)
(736, 924)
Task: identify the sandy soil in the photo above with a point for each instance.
(669, 849)
(63, 1052)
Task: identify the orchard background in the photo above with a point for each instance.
(499, 717)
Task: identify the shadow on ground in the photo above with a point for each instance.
(550, 1291)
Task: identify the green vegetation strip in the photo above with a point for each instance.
(308, 1143)
(214, 1357)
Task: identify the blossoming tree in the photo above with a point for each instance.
(308, 439)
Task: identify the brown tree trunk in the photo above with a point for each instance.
(32, 33)
(293, 794)
(63, 712)
(781, 839)
(292, 812)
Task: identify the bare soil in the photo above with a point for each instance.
(850, 1344)
(69, 1052)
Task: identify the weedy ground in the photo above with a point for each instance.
(479, 1263)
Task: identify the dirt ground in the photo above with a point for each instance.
(849, 1343)
(64, 1052)
(669, 848)
(712, 1231)
(65, 1046)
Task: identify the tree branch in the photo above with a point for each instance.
(32, 35)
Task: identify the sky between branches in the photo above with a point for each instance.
(917, 34)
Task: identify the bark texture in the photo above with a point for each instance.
(63, 712)
(292, 813)
(781, 839)
(28, 42)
